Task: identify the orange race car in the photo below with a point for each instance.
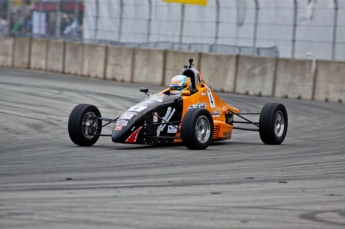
(188, 112)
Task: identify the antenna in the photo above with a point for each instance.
(190, 62)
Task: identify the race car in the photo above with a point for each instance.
(188, 112)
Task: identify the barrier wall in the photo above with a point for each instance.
(255, 75)
(219, 71)
(175, 62)
(38, 54)
(94, 60)
(55, 55)
(119, 63)
(295, 78)
(330, 81)
(6, 51)
(21, 52)
(292, 78)
(73, 60)
(148, 66)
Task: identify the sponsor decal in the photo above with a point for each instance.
(210, 98)
(137, 108)
(133, 137)
(165, 119)
(172, 129)
(216, 131)
(155, 117)
(127, 116)
(158, 95)
(121, 123)
(215, 113)
(146, 102)
(118, 127)
(203, 93)
(227, 134)
(198, 105)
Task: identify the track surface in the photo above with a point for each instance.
(48, 182)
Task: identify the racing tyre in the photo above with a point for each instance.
(273, 123)
(197, 129)
(83, 128)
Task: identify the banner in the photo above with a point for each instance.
(196, 2)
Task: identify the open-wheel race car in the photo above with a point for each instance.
(187, 112)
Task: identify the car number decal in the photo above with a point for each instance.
(210, 98)
(137, 108)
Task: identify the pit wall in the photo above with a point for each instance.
(251, 75)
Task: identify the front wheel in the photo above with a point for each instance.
(273, 123)
(197, 129)
(83, 126)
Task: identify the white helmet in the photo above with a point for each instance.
(179, 83)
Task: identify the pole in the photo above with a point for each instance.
(58, 20)
(256, 22)
(294, 29)
(96, 20)
(149, 22)
(217, 22)
(120, 22)
(335, 28)
(181, 26)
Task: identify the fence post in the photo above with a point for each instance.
(294, 29)
(8, 18)
(120, 20)
(76, 19)
(58, 20)
(181, 26)
(96, 20)
(256, 22)
(335, 28)
(217, 23)
(149, 22)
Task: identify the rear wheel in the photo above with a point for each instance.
(83, 127)
(197, 129)
(273, 123)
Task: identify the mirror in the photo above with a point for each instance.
(144, 89)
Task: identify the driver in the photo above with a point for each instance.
(180, 84)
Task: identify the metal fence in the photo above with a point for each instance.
(291, 28)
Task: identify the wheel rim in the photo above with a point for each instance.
(279, 124)
(202, 129)
(89, 125)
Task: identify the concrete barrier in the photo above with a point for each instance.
(73, 60)
(119, 63)
(6, 51)
(175, 62)
(330, 81)
(38, 54)
(94, 60)
(295, 78)
(55, 55)
(149, 66)
(219, 71)
(21, 52)
(255, 75)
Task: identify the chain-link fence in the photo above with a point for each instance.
(292, 28)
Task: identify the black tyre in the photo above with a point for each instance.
(83, 128)
(197, 129)
(273, 123)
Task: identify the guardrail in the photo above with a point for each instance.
(252, 75)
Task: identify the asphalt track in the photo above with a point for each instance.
(48, 182)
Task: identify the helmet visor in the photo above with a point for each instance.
(176, 87)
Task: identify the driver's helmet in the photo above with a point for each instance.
(179, 83)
